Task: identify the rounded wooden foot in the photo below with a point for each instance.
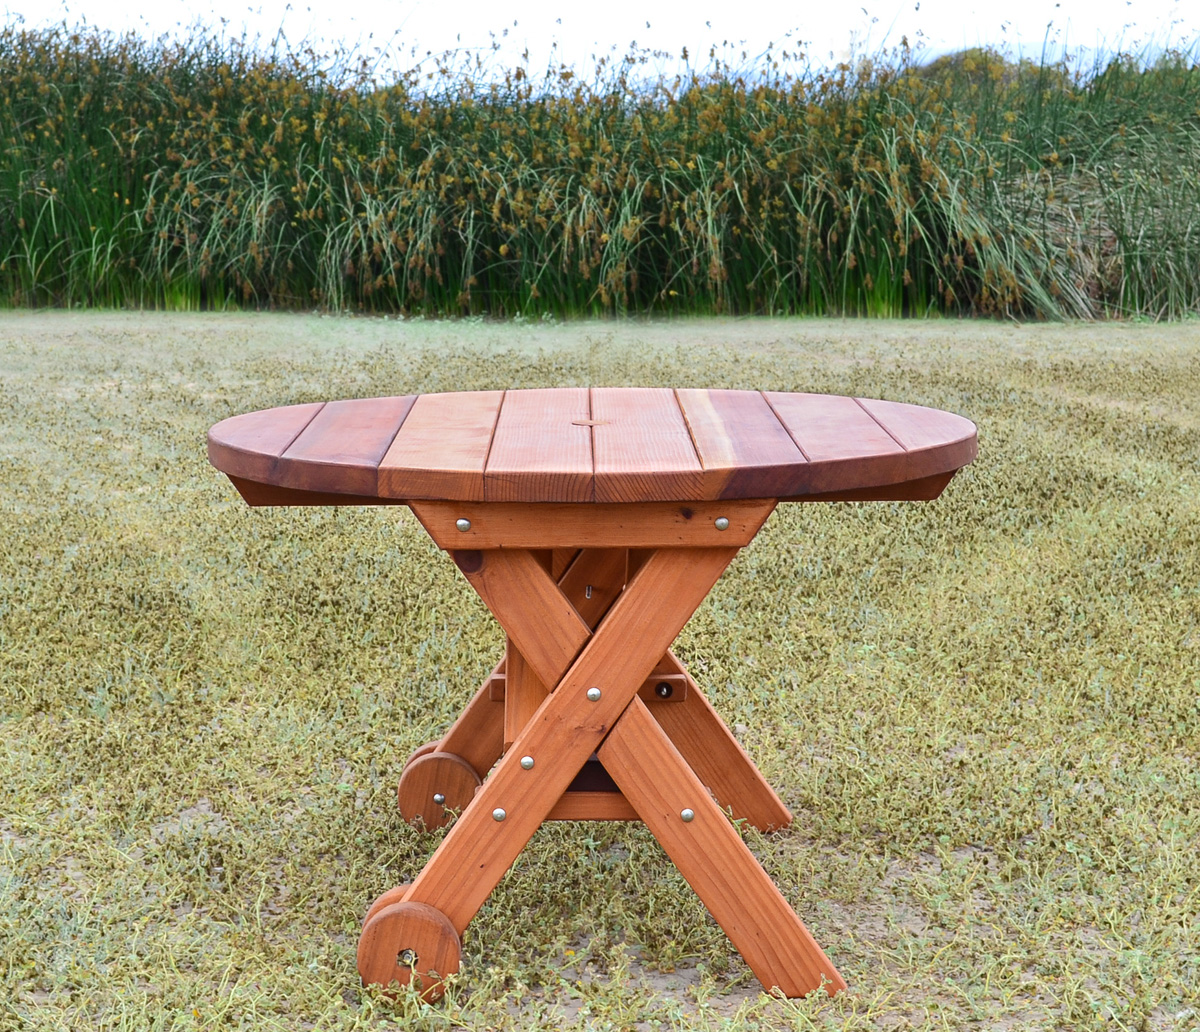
(433, 785)
(409, 943)
(421, 750)
(395, 895)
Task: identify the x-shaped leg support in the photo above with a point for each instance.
(592, 707)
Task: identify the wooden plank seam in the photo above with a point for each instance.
(880, 422)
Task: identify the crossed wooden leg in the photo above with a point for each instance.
(596, 674)
(433, 790)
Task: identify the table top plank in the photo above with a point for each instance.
(542, 448)
(441, 450)
(744, 448)
(830, 428)
(341, 446)
(846, 447)
(916, 428)
(249, 445)
(643, 450)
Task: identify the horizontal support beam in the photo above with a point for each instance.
(651, 690)
(491, 525)
(593, 806)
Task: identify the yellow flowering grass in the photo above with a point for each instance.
(211, 173)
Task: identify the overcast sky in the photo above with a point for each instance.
(823, 30)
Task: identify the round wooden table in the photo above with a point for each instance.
(592, 522)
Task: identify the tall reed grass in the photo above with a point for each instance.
(212, 173)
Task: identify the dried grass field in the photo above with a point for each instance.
(983, 710)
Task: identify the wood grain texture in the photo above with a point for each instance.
(648, 692)
(529, 606)
(643, 451)
(848, 448)
(592, 806)
(414, 927)
(560, 559)
(257, 494)
(720, 762)
(594, 580)
(637, 446)
(249, 445)
(657, 780)
(566, 730)
(441, 450)
(643, 525)
(436, 773)
(542, 448)
(524, 692)
(386, 899)
(423, 750)
(478, 733)
(340, 448)
(924, 490)
(664, 688)
(745, 450)
(924, 430)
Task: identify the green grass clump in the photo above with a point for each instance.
(982, 710)
(211, 173)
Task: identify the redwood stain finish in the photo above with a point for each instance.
(409, 943)
(539, 447)
(592, 523)
(258, 495)
(250, 445)
(580, 445)
(643, 450)
(436, 772)
(341, 447)
(745, 450)
(711, 855)
(442, 448)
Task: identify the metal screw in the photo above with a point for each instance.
(663, 690)
(498, 814)
(687, 816)
(439, 798)
(593, 694)
(464, 524)
(587, 592)
(527, 763)
(721, 523)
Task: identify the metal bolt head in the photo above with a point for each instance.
(687, 816)
(439, 798)
(498, 814)
(721, 523)
(464, 524)
(593, 694)
(527, 763)
(664, 690)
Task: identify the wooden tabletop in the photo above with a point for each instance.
(600, 444)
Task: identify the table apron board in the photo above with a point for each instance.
(483, 525)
